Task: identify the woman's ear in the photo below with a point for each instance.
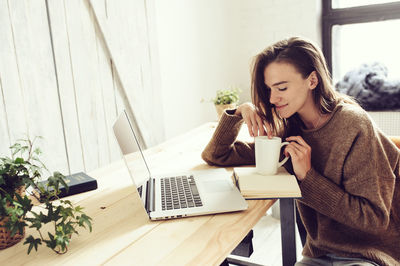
(313, 80)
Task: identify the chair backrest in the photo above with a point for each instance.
(396, 141)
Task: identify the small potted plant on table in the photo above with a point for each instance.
(23, 172)
(226, 99)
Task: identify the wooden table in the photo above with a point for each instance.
(122, 232)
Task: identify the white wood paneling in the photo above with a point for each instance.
(35, 67)
(126, 30)
(58, 80)
(4, 134)
(111, 108)
(66, 84)
(87, 87)
(11, 89)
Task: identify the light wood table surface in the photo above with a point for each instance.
(122, 233)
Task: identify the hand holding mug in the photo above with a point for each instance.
(300, 153)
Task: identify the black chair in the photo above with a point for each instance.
(244, 249)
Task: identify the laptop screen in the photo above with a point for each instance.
(131, 149)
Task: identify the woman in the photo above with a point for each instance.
(348, 170)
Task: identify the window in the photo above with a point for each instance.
(361, 31)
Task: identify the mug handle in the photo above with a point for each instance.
(286, 158)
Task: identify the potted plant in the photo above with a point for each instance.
(226, 99)
(22, 172)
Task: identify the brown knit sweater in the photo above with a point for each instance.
(350, 203)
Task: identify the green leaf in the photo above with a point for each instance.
(52, 242)
(25, 203)
(78, 209)
(33, 243)
(19, 160)
(55, 181)
(37, 151)
(41, 217)
(68, 202)
(28, 181)
(49, 207)
(15, 148)
(35, 223)
(84, 219)
(61, 179)
(67, 213)
(70, 228)
(62, 239)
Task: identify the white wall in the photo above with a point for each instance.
(206, 45)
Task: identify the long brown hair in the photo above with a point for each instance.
(306, 58)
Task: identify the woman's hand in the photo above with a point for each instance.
(255, 125)
(300, 153)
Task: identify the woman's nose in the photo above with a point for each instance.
(273, 99)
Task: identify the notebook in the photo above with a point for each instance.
(175, 195)
(256, 186)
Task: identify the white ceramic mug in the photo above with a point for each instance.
(267, 154)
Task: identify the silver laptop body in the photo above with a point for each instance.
(200, 192)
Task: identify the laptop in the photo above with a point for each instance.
(175, 195)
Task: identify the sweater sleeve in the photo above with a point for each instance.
(224, 149)
(364, 198)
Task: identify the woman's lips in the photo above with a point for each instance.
(280, 107)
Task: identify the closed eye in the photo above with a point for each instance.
(282, 89)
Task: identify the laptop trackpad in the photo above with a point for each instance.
(217, 185)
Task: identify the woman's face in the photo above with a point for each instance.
(290, 92)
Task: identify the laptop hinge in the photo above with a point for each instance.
(236, 180)
(150, 194)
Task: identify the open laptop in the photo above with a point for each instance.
(176, 195)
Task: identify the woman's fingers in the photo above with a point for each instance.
(268, 128)
(245, 110)
(249, 126)
(300, 153)
(255, 124)
(298, 148)
(291, 151)
(298, 139)
(260, 125)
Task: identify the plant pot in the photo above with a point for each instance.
(6, 240)
(222, 107)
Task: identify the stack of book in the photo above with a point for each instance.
(256, 186)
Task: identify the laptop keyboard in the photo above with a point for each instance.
(179, 192)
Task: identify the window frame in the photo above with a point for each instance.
(352, 15)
